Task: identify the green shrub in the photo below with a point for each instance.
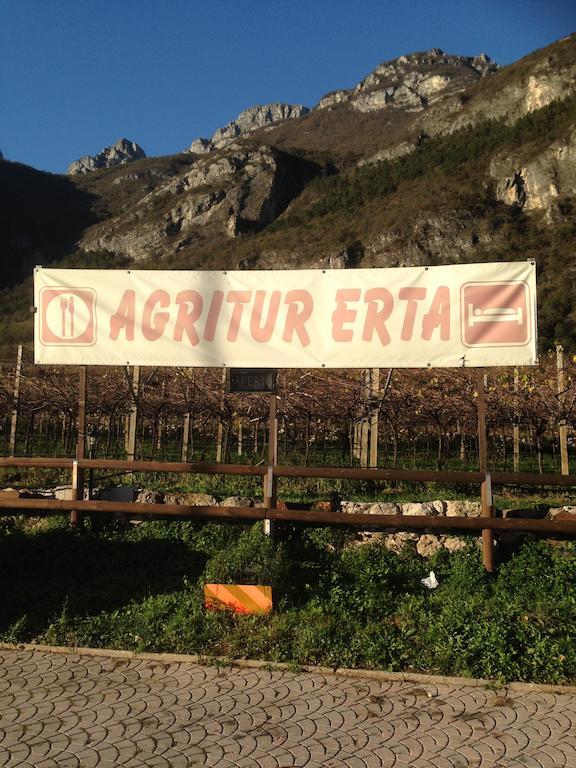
(251, 558)
(336, 603)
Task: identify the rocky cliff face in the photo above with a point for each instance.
(508, 98)
(537, 183)
(120, 153)
(235, 192)
(449, 237)
(249, 120)
(238, 182)
(412, 82)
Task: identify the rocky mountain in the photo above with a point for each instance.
(431, 158)
(260, 116)
(227, 194)
(412, 82)
(120, 153)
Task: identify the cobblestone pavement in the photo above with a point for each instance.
(80, 711)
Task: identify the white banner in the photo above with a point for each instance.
(449, 316)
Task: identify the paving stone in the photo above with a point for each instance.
(75, 711)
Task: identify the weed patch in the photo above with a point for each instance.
(336, 604)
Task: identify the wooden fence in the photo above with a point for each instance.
(487, 523)
(270, 472)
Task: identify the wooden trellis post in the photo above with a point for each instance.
(77, 473)
(220, 427)
(563, 427)
(240, 434)
(356, 431)
(270, 480)
(186, 437)
(486, 487)
(365, 433)
(516, 427)
(374, 411)
(364, 442)
(15, 403)
(133, 415)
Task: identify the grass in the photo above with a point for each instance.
(336, 604)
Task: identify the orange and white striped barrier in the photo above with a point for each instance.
(241, 598)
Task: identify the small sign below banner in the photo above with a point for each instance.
(252, 380)
(458, 315)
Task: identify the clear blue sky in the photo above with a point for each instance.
(76, 75)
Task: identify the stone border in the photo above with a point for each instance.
(371, 674)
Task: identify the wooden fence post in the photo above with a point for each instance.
(562, 428)
(486, 487)
(15, 402)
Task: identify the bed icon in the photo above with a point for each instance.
(495, 314)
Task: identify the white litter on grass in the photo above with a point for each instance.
(430, 581)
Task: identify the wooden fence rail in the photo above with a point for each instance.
(362, 521)
(336, 473)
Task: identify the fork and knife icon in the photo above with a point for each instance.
(67, 316)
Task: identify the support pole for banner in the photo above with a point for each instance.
(270, 480)
(486, 487)
(15, 403)
(562, 428)
(77, 473)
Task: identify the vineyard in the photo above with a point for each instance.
(400, 419)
